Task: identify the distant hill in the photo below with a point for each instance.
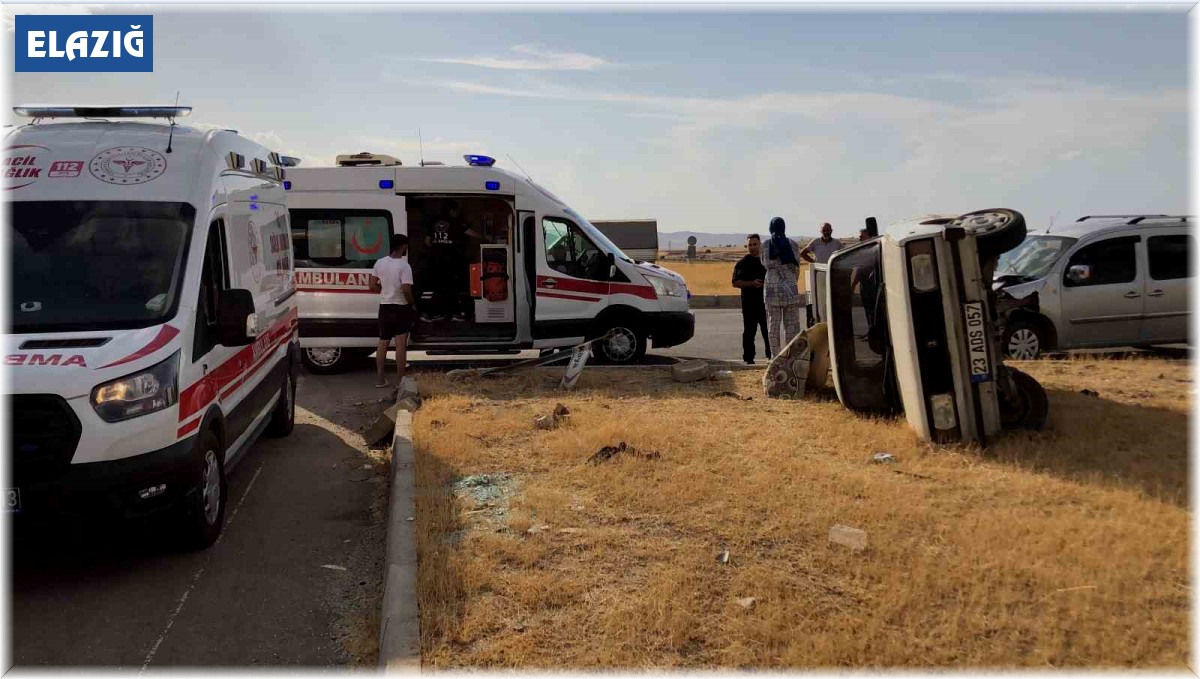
(677, 240)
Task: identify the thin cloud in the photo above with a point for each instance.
(533, 58)
(10, 12)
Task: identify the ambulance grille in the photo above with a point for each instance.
(44, 435)
(78, 343)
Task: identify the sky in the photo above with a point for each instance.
(711, 121)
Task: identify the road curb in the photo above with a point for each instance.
(715, 302)
(400, 623)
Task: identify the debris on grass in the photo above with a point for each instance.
(747, 602)
(883, 458)
(1089, 392)
(553, 420)
(854, 538)
(732, 394)
(690, 371)
(723, 556)
(608, 452)
(484, 489)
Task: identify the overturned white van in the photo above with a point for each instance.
(538, 277)
(153, 321)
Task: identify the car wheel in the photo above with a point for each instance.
(1023, 341)
(283, 417)
(1024, 405)
(996, 231)
(623, 343)
(326, 360)
(203, 511)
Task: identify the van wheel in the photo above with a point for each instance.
(203, 512)
(1025, 405)
(624, 343)
(283, 418)
(326, 360)
(996, 231)
(1023, 341)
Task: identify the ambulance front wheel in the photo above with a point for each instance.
(203, 512)
(327, 360)
(621, 343)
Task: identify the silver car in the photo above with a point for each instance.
(1101, 281)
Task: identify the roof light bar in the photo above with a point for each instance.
(103, 111)
(479, 161)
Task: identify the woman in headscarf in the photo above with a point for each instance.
(781, 293)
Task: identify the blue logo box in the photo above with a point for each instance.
(84, 43)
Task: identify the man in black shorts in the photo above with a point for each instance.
(397, 313)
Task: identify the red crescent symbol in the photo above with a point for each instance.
(367, 251)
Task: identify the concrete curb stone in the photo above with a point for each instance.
(399, 622)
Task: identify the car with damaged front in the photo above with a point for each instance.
(913, 327)
(1101, 281)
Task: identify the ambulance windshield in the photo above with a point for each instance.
(96, 265)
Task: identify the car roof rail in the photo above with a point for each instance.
(1137, 220)
(1085, 218)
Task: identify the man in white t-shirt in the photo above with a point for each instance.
(819, 249)
(397, 313)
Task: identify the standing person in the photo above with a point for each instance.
(397, 313)
(446, 237)
(748, 276)
(781, 259)
(819, 249)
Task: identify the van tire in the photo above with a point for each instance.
(1026, 406)
(626, 343)
(202, 514)
(283, 417)
(1023, 341)
(996, 231)
(327, 360)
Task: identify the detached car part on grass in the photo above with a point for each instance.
(913, 326)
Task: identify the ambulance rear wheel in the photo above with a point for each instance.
(327, 360)
(623, 343)
(283, 417)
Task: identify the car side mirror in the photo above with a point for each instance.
(236, 319)
(1079, 273)
(612, 266)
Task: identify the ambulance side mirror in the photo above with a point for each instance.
(612, 266)
(235, 313)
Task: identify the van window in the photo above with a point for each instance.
(1169, 257)
(340, 239)
(1112, 261)
(96, 265)
(570, 252)
(214, 277)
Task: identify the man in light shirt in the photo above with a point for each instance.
(819, 249)
(397, 313)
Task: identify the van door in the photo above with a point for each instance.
(1104, 309)
(214, 365)
(572, 283)
(1169, 275)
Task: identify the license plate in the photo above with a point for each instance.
(12, 499)
(981, 371)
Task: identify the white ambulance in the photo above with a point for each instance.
(153, 321)
(534, 273)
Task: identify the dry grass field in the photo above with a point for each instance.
(1064, 548)
(706, 277)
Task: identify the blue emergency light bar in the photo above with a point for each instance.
(386, 183)
(492, 186)
(287, 185)
(479, 161)
(103, 111)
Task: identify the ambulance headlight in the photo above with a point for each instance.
(667, 287)
(142, 393)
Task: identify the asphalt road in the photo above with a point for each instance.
(260, 595)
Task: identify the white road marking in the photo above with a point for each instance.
(196, 578)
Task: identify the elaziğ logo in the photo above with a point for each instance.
(116, 43)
